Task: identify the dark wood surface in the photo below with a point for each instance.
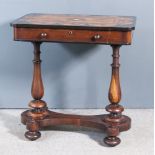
(97, 22)
(110, 30)
(76, 36)
(74, 28)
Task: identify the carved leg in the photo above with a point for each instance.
(39, 116)
(38, 107)
(114, 108)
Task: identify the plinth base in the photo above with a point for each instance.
(34, 124)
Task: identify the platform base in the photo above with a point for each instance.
(35, 123)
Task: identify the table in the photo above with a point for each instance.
(93, 29)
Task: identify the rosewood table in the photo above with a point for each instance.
(108, 30)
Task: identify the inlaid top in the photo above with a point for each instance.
(98, 22)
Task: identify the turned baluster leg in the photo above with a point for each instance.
(38, 107)
(114, 108)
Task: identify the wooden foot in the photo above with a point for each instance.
(32, 135)
(112, 141)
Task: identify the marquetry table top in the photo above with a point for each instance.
(97, 22)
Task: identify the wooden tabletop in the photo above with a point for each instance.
(98, 22)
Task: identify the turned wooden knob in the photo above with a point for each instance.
(96, 37)
(43, 35)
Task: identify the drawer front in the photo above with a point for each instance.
(65, 35)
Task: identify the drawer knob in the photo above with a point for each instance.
(43, 35)
(96, 37)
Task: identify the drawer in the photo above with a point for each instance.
(68, 35)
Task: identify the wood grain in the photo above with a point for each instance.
(125, 23)
(115, 88)
(67, 35)
(110, 30)
(95, 121)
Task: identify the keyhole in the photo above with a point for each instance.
(70, 32)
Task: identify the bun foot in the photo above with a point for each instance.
(112, 141)
(32, 135)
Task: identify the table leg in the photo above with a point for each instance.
(38, 107)
(39, 116)
(114, 108)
